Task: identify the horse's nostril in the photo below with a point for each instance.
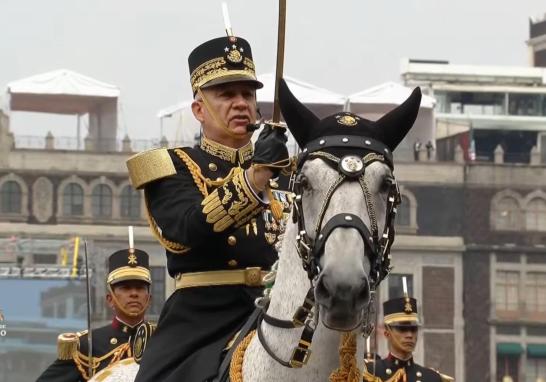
(322, 289)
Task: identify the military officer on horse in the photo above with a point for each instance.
(213, 209)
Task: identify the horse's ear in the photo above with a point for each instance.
(394, 125)
(299, 119)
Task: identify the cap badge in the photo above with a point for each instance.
(132, 260)
(347, 120)
(234, 56)
(407, 307)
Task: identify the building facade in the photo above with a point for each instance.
(492, 121)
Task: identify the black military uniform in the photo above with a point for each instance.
(219, 234)
(400, 312)
(111, 343)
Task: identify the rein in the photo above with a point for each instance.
(311, 248)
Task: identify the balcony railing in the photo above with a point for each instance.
(102, 145)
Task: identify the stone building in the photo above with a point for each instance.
(492, 120)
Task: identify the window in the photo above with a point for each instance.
(535, 215)
(525, 104)
(403, 212)
(73, 200)
(158, 290)
(507, 291)
(130, 203)
(11, 197)
(101, 201)
(535, 292)
(396, 287)
(535, 369)
(507, 214)
(480, 103)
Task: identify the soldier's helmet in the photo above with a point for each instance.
(222, 60)
(128, 264)
(401, 312)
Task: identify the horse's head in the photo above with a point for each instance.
(346, 197)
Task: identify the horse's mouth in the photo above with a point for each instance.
(342, 320)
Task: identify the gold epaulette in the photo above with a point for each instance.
(149, 165)
(67, 345)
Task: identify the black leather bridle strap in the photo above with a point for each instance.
(347, 221)
(223, 371)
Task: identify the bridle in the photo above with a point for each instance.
(310, 248)
(350, 168)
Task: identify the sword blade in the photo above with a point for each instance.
(88, 293)
(280, 59)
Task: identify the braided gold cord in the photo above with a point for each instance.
(167, 244)
(348, 370)
(236, 364)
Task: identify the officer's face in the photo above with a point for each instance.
(132, 295)
(402, 339)
(234, 105)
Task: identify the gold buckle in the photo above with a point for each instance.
(253, 276)
(303, 354)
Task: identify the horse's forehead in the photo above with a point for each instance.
(320, 168)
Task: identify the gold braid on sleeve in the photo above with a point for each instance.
(233, 202)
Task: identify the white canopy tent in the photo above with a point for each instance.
(374, 102)
(321, 101)
(67, 92)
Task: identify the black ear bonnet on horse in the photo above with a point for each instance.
(389, 130)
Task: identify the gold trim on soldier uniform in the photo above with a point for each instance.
(129, 273)
(149, 165)
(232, 203)
(251, 276)
(216, 68)
(401, 317)
(229, 154)
(68, 349)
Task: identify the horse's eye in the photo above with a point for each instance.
(387, 183)
(303, 181)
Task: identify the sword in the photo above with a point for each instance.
(280, 60)
(89, 332)
(275, 121)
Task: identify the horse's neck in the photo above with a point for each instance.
(289, 291)
(291, 283)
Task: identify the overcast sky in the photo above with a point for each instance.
(345, 46)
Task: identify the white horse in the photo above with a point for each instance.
(335, 250)
(346, 267)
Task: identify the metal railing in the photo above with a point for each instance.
(93, 145)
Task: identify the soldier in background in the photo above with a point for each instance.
(129, 297)
(401, 329)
